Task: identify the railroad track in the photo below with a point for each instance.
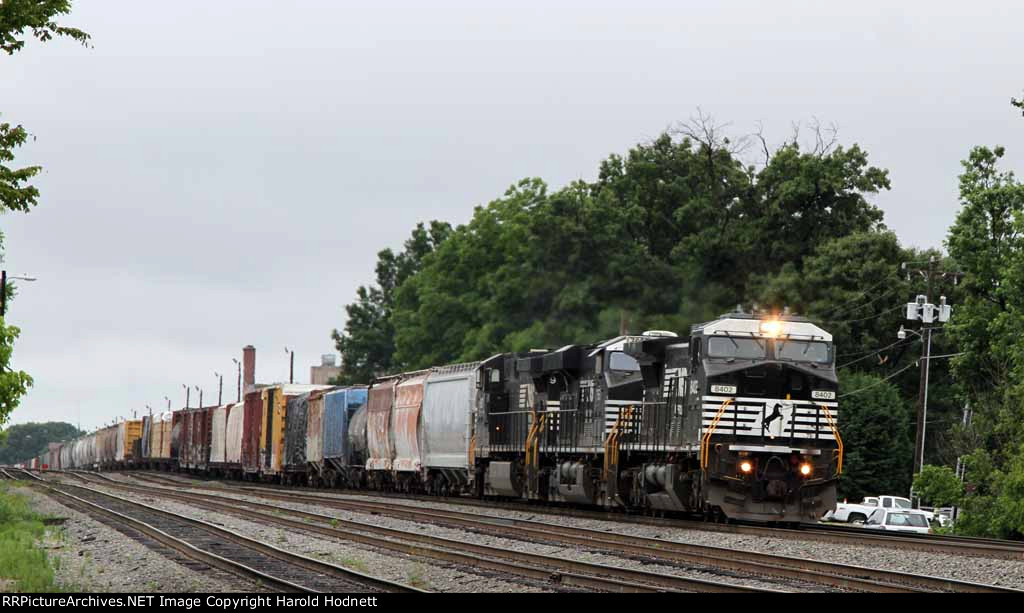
(842, 576)
(840, 535)
(262, 564)
(554, 571)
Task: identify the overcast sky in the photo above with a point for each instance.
(223, 173)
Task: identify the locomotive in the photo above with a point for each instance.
(738, 421)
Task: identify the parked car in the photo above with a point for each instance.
(899, 520)
(849, 512)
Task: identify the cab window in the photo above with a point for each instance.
(621, 362)
(736, 348)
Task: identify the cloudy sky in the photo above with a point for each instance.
(223, 173)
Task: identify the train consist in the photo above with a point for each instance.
(737, 421)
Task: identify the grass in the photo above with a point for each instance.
(415, 578)
(354, 563)
(24, 566)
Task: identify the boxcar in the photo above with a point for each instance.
(233, 438)
(160, 434)
(314, 437)
(218, 436)
(294, 463)
(252, 433)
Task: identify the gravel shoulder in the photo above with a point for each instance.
(89, 556)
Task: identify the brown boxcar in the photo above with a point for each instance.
(252, 432)
(195, 438)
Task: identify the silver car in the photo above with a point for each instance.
(899, 520)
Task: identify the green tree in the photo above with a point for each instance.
(875, 426)
(938, 486)
(986, 241)
(22, 18)
(367, 344)
(25, 441)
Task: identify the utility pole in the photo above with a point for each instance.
(187, 390)
(220, 388)
(927, 313)
(200, 390)
(291, 368)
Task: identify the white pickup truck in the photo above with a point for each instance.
(848, 512)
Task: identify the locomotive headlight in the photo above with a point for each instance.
(746, 466)
(772, 327)
(805, 469)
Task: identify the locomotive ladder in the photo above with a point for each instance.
(611, 453)
(705, 442)
(839, 439)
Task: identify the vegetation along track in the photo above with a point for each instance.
(814, 572)
(556, 572)
(827, 533)
(217, 547)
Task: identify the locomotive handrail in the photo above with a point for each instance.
(839, 439)
(559, 411)
(706, 439)
(611, 444)
(532, 442)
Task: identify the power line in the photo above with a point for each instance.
(875, 352)
(843, 308)
(876, 315)
(879, 382)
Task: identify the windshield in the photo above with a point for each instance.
(623, 362)
(732, 347)
(908, 519)
(902, 503)
(802, 351)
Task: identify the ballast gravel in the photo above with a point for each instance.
(426, 574)
(302, 543)
(89, 556)
(1006, 573)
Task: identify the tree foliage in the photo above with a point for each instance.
(875, 425)
(367, 343)
(938, 486)
(37, 18)
(674, 232)
(987, 240)
(13, 384)
(670, 234)
(25, 441)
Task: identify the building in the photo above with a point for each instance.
(326, 371)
